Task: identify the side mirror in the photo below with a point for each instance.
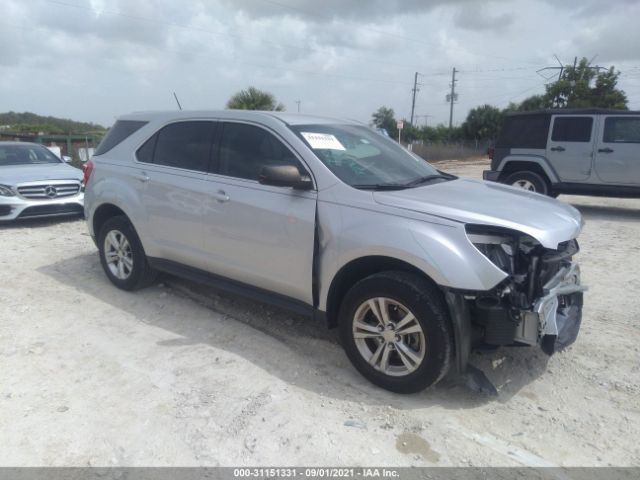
(66, 159)
(284, 176)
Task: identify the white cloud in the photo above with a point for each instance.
(93, 59)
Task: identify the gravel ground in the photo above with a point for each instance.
(178, 375)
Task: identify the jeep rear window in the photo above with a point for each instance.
(120, 131)
(524, 131)
(572, 129)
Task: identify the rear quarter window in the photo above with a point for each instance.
(120, 131)
(524, 131)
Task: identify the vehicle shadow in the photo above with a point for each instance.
(319, 365)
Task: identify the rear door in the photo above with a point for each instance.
(570, 146)
(257, 234)
(172, 167)
(618, 150)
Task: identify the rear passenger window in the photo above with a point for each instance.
(622, 130)
(145, 152)
(184, 145)
(245, 149)
(572, 129)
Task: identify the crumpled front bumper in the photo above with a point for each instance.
(559, 311)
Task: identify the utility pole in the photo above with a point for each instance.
(426, 117)
(413, 101)
(298, 103)
(452, 98)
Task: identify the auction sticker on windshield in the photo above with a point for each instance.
(322, 141)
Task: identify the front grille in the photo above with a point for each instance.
(54, 209)
(45, 192)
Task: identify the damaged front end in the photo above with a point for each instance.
(539, 303)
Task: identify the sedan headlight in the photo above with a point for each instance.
(6, 191)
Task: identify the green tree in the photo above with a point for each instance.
(535, 102)
(482, 123)
(384, 117)
(254, 99)
(575, 90)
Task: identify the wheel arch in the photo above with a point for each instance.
(357, 269)
(535, 164)
(103, 213)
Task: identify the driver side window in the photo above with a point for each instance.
(245, 149)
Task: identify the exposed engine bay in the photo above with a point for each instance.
(539, 303)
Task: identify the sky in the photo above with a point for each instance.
(93, 60)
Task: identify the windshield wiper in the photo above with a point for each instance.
(380, 186)
(428, 178)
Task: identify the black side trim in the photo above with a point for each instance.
(461, 319)
(232, 286)
(620, 191)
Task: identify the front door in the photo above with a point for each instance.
(257, 234)
(618, 150)
(570, 146)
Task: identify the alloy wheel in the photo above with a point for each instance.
(388, 336)
(525, 184)
(118, 254)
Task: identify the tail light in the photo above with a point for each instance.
(490, 152)
(87, 168)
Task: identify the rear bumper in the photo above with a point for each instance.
(490, 175)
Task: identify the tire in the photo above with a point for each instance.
(128, 254)
(528, 180)
(430, 340)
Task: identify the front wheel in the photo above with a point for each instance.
(395, 329)
(530, 181)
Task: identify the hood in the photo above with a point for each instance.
(14, 174)
(486, 203)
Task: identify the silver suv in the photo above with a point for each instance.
(330, 219)
(582, 151)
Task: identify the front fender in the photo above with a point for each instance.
(442, 251)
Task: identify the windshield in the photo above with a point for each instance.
(27, 154)
(364, 159)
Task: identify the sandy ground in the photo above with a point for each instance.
(178, 375)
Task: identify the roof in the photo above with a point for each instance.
(577, 111)
(284, 117)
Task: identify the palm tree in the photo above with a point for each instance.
(254, 99)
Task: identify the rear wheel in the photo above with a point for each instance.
(530, 181)
(122, 256)
(394, 327)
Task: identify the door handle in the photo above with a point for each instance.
(143, 177)
(558, 149)
(605, 150)
(221, 196)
